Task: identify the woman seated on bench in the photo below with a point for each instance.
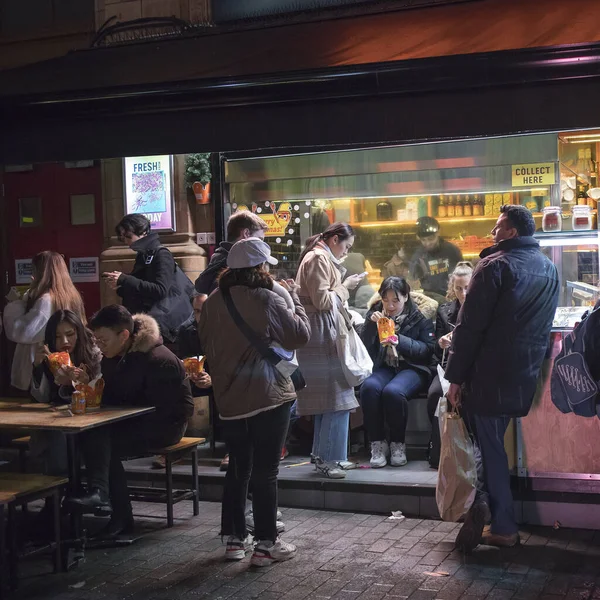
(400, 371)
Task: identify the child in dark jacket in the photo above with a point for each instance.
(401, 370)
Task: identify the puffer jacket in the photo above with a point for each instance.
(447, 317)
(503, 328)
(149, 375)
(415, 339)
(244, 383)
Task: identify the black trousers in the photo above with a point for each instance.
(105, 447)
(433, 397)
(254, 446)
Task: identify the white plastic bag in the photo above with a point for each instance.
(356, 362)
(457, 472)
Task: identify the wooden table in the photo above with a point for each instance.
(15, 414)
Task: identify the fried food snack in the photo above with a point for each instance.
(57, 360)
(92, 393)
(385, 329)
(193, 366)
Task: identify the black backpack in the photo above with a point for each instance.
(576, 373)
(176, 308)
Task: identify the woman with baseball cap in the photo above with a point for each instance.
(253, 397)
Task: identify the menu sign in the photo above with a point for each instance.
(149, 189)
(534, 174)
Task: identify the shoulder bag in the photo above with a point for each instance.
(283, 360)
(356, 362)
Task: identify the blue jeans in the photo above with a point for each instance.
(384, 398)
(330, 438)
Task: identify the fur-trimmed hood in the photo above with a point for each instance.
(146, 334)
(425, 304)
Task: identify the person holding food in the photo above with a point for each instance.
(138, 371)
(253, 397)
(401, 341)
(25, 319)
(446, 320)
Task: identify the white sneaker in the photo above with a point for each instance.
(398, 451)
(346, 465)
(250, 522)
(331, 470)
(236, 549)
(266, 553)
(379, 454)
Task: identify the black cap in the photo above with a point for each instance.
(427, 226)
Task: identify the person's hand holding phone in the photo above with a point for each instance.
(111, 279)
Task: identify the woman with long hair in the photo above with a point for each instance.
(252, 395)
(65, 332)
(401, 370)
(447, 317)
(328, 396)
(25, 320)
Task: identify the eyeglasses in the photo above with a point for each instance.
(125, 236)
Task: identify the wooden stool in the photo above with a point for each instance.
(168, 495)
(21, 488)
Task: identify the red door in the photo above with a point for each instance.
(64, 196)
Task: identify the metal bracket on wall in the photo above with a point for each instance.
(521, 468)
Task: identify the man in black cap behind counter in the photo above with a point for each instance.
(433, 262)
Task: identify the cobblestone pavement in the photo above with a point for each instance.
(342, 556)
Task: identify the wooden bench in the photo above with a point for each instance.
(21, 488)
(168, 495)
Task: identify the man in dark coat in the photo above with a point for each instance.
(138, 370)
(497, 351)
(241, 225)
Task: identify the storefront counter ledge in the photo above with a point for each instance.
(410, 489)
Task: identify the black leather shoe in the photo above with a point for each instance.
(115, 528)
(470, 533)
(95, 501)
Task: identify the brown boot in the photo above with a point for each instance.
(470, 533)
(501, 541)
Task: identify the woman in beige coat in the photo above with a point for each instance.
(327, 395)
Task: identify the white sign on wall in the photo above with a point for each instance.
(84, 270)
(23, 270)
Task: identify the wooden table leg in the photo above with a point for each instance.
(55, 499)
(2, 550)
(76, 541)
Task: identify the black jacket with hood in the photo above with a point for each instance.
(148, 375)
(207, 280)
(503, 328)
(152, 287)
(416, 339)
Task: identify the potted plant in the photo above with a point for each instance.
(197, 176)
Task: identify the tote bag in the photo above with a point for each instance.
(356, 362)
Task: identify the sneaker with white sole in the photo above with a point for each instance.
(330, 470)
(250, 522)
(236, 548)
(398, 454)
(346, 465)
(266, 553)
(379, 454)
